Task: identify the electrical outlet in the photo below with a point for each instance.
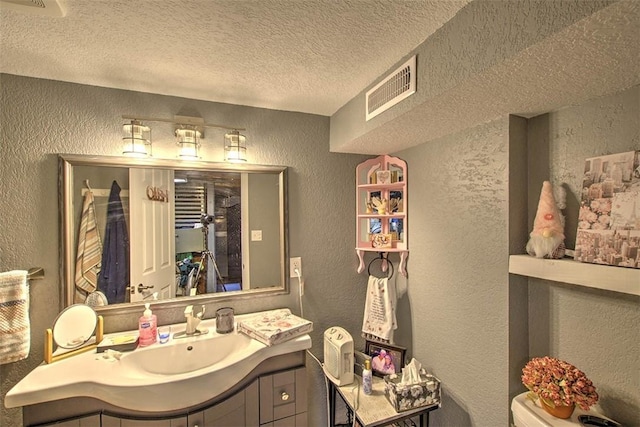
(293, 264)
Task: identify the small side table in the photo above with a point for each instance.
(374, 409)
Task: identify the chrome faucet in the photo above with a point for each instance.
(193, 321)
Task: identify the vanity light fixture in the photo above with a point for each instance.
(188, 131)
(189, 142)
(136, 139)
(235, 147)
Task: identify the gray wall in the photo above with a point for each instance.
(463, 315)
(41, 118)
(456, 305)
(596, 330)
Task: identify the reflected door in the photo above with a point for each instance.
(152, 243)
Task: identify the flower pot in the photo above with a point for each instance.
(563, 412)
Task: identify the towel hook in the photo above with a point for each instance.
(86, 182)
(385, 261)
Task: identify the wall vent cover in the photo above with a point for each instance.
(35, 7)
(394, 88)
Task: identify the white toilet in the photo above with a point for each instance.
(527, 414)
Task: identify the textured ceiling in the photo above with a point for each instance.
(310, 56)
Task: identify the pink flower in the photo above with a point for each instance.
(558, 382)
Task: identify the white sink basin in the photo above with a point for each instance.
(172, 376)
(188, 354)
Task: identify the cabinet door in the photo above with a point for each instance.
(298, 420)
(196, 419)
(89, 421)
(110, 421)
(239, 410)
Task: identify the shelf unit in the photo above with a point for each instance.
(384, 177)
(618, 279)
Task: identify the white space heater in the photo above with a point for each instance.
(338, 355)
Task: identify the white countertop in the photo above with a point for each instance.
(121, 384)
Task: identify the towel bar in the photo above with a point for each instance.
(35, 273)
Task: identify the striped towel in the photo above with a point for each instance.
(89, 254)
(15, 332)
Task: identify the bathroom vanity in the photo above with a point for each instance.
(276, 398)
(209, 379)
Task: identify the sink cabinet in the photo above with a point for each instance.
(273, 396)
(241, 409)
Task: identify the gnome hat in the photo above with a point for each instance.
(548, 219)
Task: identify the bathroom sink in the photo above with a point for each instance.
(188, 355)
(179, 374)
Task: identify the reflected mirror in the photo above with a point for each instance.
(139, 230)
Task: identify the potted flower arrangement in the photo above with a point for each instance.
(558, 385)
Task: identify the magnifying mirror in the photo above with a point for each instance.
(74, 326)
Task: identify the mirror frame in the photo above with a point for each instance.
(66, 162)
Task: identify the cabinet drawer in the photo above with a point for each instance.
(298, 420)
(282, 395)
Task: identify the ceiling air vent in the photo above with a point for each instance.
(34, 7)
(394, 88)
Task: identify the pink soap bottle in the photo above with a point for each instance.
(147, 327)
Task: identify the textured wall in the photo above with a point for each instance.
(596, 330)
(469, 319)
(41, 118)
(496, 58)
(457, 292)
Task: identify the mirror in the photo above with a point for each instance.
(136, 229)
(74, 326)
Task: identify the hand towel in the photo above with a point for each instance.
(89, 254)
(15, 332)
(380, 310)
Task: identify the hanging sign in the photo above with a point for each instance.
(157, 194)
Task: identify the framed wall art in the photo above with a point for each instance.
(609, 217)
(382, 240)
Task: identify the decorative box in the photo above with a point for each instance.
(406, 397)
(275, 326)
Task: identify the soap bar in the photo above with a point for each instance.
(118, 343)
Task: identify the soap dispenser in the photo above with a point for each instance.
(147, 327)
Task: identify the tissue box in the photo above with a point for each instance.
(405, 397)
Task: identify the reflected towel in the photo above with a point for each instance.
(379, 310)
(114, 274)
(15, 332)
(89, 254)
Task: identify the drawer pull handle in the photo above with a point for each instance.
(284, 396)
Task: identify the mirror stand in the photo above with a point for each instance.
(49, 357)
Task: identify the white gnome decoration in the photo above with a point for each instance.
(547, 238)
